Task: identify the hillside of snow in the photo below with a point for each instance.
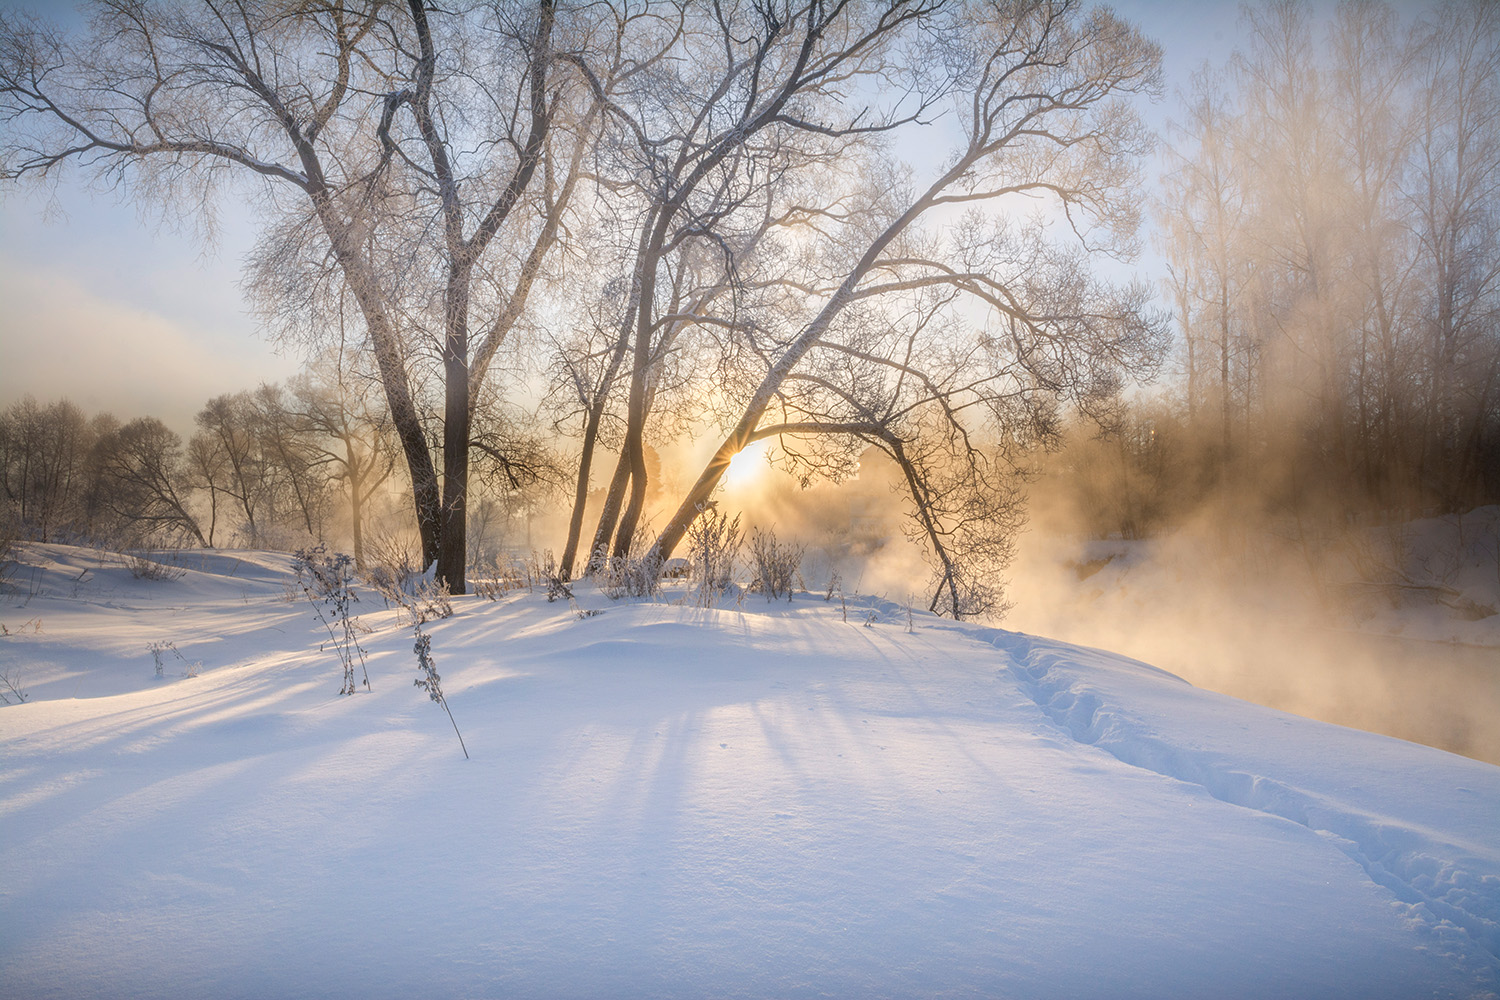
(788, 800)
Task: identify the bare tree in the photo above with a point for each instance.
(296, 466)
(145, 488)
(1373, 60)
(1333, 217)
(346, 433)
(43, 465)
(208, 471)
(1038, 87)
(704, 139)
(396, 145)
(229, 443)
(1457, 203)
(1206, 206)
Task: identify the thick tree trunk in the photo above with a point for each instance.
(356, 516)
(424, 482)
(581, 492)
(635, 454)
(610, 515)
(453, 544)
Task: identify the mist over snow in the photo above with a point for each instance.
(796, 799)
(1391, 628)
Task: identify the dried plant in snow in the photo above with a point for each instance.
(430, 682)
(713, 542)
(158, 652)
(327, 582)
(776, 564)
(12, 682)
(144, 567)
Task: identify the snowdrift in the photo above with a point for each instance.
(766, 800)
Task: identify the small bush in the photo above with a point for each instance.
(144, 567)
(490, 588)
(418, 599)
(630, 577)
(776, 564)
(429, 602)
(493, 580)
(393, 555)
(713, 543)
(543, 571)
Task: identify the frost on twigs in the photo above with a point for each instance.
(776, 564)
(713, 543)
(547, 572)
(417, 597)
(327, 582)
(158, 652)
(430, 682)
(626, 576)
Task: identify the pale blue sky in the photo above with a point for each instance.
(100, 304)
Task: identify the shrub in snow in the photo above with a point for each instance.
(430, 601)
(144, 567)
(430, 682)
(495, 579)
(544, 570)
(158, 652)
(419, 598)
(713, 542)
(776, 564)
(628, 577)
(327, 582)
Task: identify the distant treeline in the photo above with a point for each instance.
(273, 467)
(1331, 218)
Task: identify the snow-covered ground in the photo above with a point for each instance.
(762, 800)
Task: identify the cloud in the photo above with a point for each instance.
(63, 338)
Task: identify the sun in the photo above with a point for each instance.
(748, 466)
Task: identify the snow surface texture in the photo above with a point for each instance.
(757, 801)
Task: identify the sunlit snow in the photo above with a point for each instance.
(804, 799)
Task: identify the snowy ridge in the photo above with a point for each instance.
(1444, 887)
